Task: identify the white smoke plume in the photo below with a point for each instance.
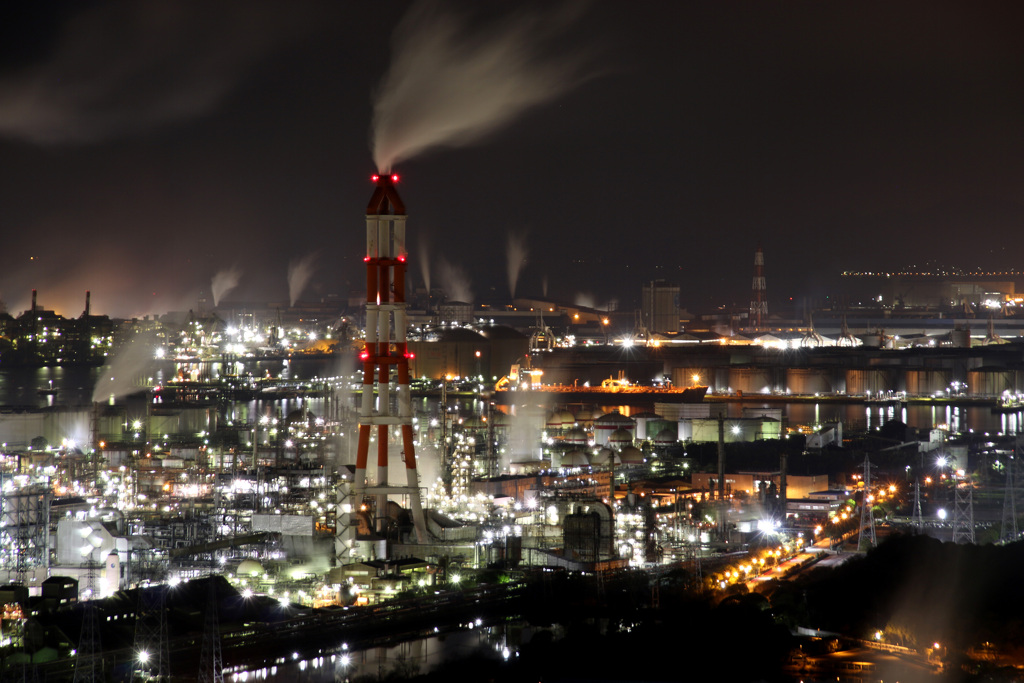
(588, 300)
(585, 300)
(455, 282)
(122, 67)
(516, 255)
(450, 85)
(127, 371)
(299, 273)
(223, 282)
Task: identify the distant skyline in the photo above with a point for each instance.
(149, 148)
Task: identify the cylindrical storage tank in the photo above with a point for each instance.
(860, 382)
(666, 437)
(585, 417)
(960, 337)
(685, 377)
(750, 380)
(873, 340)
(926, 381)
(556, 458)
(685, 429)
(655, 427)
(809, 381)
(603, 456)
(576, 437)
(575, 459)
(619, 438)
(608, 423)
(992, 381)
(631, 455)
(720, 383)
(642, 419)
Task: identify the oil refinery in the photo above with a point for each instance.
(239, 458)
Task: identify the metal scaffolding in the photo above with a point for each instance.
(24, 526)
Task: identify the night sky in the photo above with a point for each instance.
(147, 146)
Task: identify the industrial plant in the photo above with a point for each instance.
(529, 437)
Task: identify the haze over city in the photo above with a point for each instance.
(150, 147)
(685, 332)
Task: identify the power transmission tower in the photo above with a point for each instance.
(963, 508)
(89, 658)
(693, 555)
(918, 520)
(150, 652)
(867, 514)
(211, 663)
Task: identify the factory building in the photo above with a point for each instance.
(750, 483)
(660, 307)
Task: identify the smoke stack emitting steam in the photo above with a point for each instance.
(516, 260)
(299, 273)
(223, 282)
(450, 86)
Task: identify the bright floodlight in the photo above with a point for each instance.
(941, 461)
(143, 657)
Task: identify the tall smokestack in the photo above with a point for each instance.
(386, 348)
(33, 302)
(88, 308)
(758, 295)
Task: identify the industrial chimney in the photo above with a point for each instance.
(386, 357)
(33, 303)
(758, 296)
(87, 311)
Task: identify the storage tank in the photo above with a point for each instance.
(684, 377)
(750, 380)
(620, 438)
(575, 459)
(666, 437)
(576, 437)
(992, 381)
(641, 420)
(603, 456)
(608, 423)
(874, 380)
(926, 381)
(809, 381)
(631, 455)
